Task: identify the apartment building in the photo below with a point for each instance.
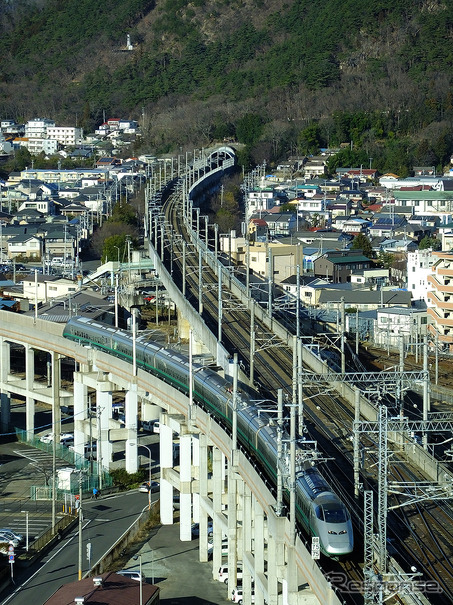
(65, 135)
(441, 298)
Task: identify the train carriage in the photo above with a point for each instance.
(318, 508)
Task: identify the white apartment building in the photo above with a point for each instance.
(309, 205)
(65, 135)
(396, 324)
(419, 266)
(36, 146)
(260, 201)
(47, 287)
(37, 128)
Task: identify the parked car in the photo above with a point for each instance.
(64, 437)
(149, 426)
(236, 595)
(223, 573)
(6, 537)
(196, 529)
(133, 574)
(89, 451)
(12, 535)
(147, 486)
(224, 547)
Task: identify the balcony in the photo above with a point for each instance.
(447, 338)
(441, 304)
(439, 286)
(447, 271)
(440, 321)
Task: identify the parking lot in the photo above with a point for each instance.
(174, 567)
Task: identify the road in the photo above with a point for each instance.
(105, 520)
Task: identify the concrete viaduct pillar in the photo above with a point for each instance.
(5, 399)
(56, 410)
(166, 462)
(131, 412)
(104, 413)
(80, 412)
(29, 400)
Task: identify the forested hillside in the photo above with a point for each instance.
(282, 78)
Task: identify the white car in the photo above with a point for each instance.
(223, 573)
(133, 574)
(224, 547)
(146, 487)
(64, 437)
(12, 535)
(6, 537)
(236, 595)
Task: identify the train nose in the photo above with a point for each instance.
(340, 546)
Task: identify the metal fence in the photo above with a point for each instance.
(90, 469)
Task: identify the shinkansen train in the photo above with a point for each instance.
(319, 510)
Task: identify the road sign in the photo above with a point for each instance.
(11, 558)
(11, 548)
(89, 551)
(315, 548)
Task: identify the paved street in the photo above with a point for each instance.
(105, 521)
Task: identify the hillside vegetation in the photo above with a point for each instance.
(282, 78)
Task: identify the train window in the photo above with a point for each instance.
(319, 513)
(335, 514)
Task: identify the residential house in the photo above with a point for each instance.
(283, 260)
(374, 277)
(27, 246)
(280, 225)
(362, 299)
(386, 225)
(315, 167)
(309, 288)
(398, 245)
(45, 287)
(338, 266)
(355, 226)
(258, 230)
(339, 208)
(361, 174)
(426, 202)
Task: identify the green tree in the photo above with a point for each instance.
(429, 242)
(361, 242)
(22, 159)
(114, 248)
(123, 213)
(309, 140)
(249, 128)
(386, 259)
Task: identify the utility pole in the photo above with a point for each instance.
(80, 525)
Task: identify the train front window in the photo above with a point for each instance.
(334, 513)
(319, 513)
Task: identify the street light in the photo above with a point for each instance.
(149, 472)
(118, 254)
(139, 557)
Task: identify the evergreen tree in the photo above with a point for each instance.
(361, 242)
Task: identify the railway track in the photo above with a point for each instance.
(328, 419)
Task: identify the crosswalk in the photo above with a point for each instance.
(37, 525)
(40, 458)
